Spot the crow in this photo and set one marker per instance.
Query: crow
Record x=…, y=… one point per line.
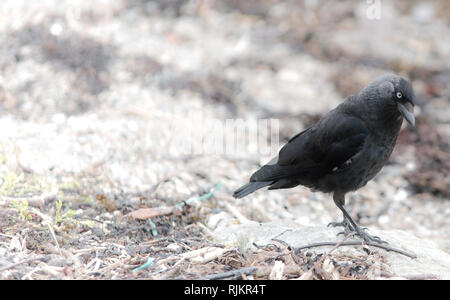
x=345, y=149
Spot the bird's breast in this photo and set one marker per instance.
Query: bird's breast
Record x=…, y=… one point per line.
x=357, y=171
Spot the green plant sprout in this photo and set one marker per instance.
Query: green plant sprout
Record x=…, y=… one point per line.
x=22, y=208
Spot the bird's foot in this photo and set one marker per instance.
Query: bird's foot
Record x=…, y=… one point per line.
x=358, y=231
x=347, y=227
x=362, y=233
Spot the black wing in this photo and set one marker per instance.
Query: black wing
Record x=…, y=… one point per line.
x=318, y=150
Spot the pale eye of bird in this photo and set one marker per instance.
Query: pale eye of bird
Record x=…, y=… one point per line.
x=399, y=95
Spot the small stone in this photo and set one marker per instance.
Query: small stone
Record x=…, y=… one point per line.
x=401, y=195
x=174, y=247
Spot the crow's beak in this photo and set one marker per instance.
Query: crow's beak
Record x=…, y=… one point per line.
x=407, y=111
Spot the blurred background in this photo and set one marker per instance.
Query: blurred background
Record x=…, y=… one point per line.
x=89, y=92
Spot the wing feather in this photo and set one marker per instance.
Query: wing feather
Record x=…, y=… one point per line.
x=316, y=151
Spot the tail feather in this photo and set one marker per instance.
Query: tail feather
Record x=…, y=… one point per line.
x=250, y=188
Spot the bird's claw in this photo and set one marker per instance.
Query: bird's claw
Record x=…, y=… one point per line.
x=344, y=223
x=336, y=224
x=347, y=227
x=361, y=232
x=358, y=231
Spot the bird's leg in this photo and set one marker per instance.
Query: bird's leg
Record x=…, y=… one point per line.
x=344, y=223
x=351, y=226
x=340, y=201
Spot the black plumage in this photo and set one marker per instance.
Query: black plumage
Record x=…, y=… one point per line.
x=345, y=149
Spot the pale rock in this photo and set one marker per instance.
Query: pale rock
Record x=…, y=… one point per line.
x=431, y=260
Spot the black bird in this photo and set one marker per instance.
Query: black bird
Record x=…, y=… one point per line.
x=345, y=149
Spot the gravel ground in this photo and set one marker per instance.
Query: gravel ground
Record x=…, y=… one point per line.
x=92, y=98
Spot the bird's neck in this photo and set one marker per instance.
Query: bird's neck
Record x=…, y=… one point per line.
x=382, y=122
x=388, y=123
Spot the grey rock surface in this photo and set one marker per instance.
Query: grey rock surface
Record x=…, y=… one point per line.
x=431, y=261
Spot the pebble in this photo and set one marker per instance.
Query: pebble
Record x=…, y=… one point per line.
x=174, y=247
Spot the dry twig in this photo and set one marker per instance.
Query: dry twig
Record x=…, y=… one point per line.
x=354, y=243
x=234, y=273
x=19, y=263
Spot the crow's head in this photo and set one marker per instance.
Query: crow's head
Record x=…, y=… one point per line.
x=391, y=95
